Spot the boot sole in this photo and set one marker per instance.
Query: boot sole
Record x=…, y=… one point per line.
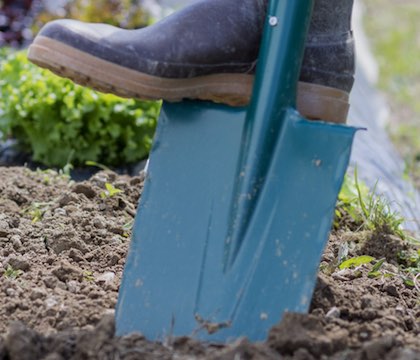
x=315, y=102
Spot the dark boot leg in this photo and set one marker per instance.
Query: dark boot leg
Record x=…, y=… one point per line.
x=329, y=53
x=328, y=67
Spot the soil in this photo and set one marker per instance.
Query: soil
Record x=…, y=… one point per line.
x=62, y=250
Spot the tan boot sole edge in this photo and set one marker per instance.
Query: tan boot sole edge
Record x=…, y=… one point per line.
x=314, y=101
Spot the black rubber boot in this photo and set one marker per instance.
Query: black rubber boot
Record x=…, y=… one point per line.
x=327, y=73
x=205, y=51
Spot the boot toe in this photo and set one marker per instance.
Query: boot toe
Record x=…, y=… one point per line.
x=190, y=43
x=73, y=32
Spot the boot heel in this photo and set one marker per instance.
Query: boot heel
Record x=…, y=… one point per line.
x=318, y=102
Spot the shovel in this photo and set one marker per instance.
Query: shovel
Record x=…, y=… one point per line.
x=237, y=205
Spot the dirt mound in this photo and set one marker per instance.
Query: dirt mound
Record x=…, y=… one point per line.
x=62, y=251
x=62, y=247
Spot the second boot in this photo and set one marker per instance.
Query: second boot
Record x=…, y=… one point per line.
x=207, y=51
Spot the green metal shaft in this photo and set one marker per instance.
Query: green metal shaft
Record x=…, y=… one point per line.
x=275, y=90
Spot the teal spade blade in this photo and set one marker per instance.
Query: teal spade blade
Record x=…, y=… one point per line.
x=237, y=206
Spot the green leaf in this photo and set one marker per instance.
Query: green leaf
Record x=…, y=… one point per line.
x=94, y=163
x=51, y=117
x=374, y=274
x=378, y=265
x=356, y=261
x=375, y=269
x=110, y=191
x=408, y=282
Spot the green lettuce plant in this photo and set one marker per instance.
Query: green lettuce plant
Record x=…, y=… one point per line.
x=58, y=121
x=122, y=13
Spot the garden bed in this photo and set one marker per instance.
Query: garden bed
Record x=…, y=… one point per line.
x=62, y=251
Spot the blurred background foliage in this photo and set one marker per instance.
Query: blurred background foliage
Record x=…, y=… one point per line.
x=21, y=19
x=58, y=122
x=393, y=28
x=122, y=13
x=53, y=120
x=15, y=21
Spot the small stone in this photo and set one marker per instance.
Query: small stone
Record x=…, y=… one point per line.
x=343, y=275
x=65, y=272
x=109, y=312
x=23, y=306
x=106, y=278
x=71, y=209
x=400, y=310
x=90, y=255
x=88, y=328
x=115, y=240
x=369, y=314
x=110, y=287
x=50, y=260
x=67, y=198
x=136, y=180
x=10, y=292
x=100, y=179
x=19, y=263
x=73, y=286
x=37, y=303
x=50, y=302
x=10, y=307
x=392, y=290
x=363, y=336
x=16, y=242
x=61, y=285
x=113, y=259
x=47, y=215
x=95, y=294
x=318, y=312
x=88, y=228
x=85, y=189
x=334, y=312
x=4, y=228
x=60, y=242
x=62, y=312
x=53, y=356
x=101, y=233
x=60, y=212
x=76, y=255
x=99, y=223
x=51, y=312
x=366, y=301
x=37, y=293
x=378, y=348
x=101, y=207
x=50, y=320
x=50, y=282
